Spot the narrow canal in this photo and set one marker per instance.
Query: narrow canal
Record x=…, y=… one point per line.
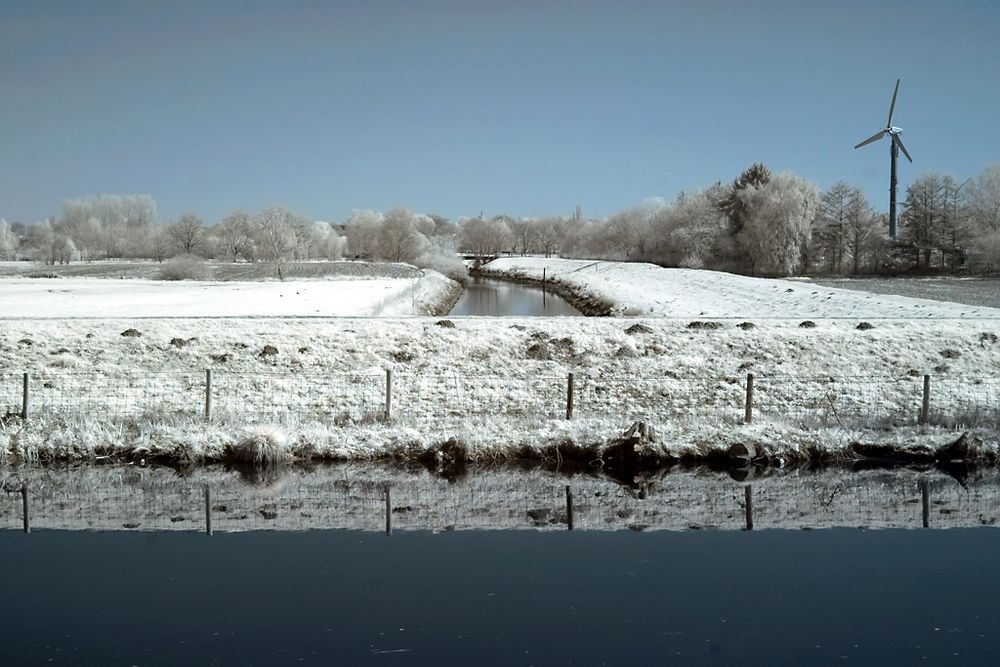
x=486, y=297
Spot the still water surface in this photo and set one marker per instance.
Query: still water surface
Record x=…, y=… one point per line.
x=487, y=567
x=483, y=296
x=502, y=598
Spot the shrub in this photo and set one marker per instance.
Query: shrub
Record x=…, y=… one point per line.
x=185, y=267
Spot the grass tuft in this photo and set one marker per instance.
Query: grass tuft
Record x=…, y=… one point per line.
x=261, y=446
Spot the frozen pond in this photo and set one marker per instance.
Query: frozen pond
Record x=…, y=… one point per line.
x=483, y=296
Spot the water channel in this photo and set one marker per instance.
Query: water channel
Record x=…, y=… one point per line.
x=488, y=297
x=366, y=564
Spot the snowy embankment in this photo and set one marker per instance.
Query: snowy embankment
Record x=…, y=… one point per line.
x=352, y=497
x=427, y=294
x=495, y=388
x=637, y=289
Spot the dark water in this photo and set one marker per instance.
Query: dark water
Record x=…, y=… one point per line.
x=503, y=598
x=483, y=296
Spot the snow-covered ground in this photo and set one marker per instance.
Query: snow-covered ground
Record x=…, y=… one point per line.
x=646, y=290
x=94, y=297
x=498, y=385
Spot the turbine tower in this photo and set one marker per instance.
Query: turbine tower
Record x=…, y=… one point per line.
x=895, y=146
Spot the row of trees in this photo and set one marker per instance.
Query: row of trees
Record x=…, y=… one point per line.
x=760, y=224
x=767, y=224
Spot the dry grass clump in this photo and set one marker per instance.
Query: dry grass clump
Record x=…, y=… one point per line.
x=185, y=267
x=261, y=446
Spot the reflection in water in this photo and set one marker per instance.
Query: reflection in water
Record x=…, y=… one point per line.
x=502, y=598
x=486, y=297
x=353, y=497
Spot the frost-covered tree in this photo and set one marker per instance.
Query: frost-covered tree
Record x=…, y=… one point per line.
x=776, y=222
x=124, y=224
x=324, y=242
x=984, y=199
x=235, y=236
x=398, y=238
x=8, y=241
x=524, y=235
x=729, y=250
x=274, y=231
x=549, y=234
x=627, y=234
x=362, y=234
x=691, y=229
x=45, y=243
x=187, y=235
x=484, y=237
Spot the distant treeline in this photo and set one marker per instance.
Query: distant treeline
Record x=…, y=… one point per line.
x=760, y=224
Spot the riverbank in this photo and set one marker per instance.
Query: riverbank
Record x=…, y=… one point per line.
x=636, y=289
x=483, y=389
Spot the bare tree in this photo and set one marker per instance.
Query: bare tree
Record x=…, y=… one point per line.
x=187, y=235
x=829, y=234
x=235, y=234
x=922, y=216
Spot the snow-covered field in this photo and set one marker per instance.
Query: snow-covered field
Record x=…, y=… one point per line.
x=37, y=298
x=646, y=290
x=499, y=386
x=976, y=291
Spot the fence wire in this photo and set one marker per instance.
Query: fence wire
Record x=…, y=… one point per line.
x=424, y=400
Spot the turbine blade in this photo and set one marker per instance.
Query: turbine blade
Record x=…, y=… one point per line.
x=899, y=142
x=874, y=137
x=892, y=106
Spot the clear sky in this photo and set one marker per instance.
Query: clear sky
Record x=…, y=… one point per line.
x=525, y=107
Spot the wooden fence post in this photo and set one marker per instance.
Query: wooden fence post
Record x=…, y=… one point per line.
x=748, y=498
x=24, y=509
x=748, y=410
x=569, y=508
x=925, y=407
x=208, y=510
x=24, y=398
x=388, y=394
x=208, y=394
x=925, y=503
x=569, y=396
x=388, y=513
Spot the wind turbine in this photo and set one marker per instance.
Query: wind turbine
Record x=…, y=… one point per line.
x=895, y=146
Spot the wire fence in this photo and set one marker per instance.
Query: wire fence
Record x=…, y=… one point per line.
x=412, y=398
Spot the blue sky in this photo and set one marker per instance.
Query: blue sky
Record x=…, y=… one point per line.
x=525, y=108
